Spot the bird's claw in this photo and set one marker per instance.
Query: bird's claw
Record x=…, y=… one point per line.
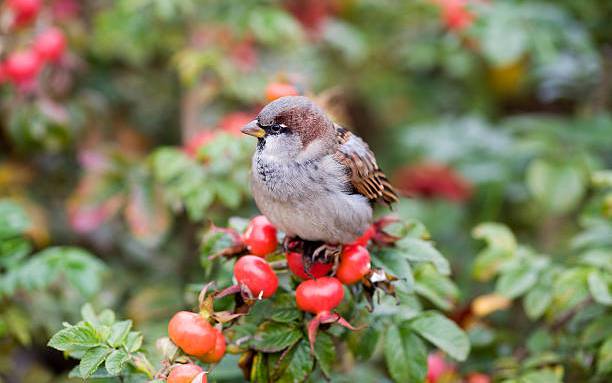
x=326, y=252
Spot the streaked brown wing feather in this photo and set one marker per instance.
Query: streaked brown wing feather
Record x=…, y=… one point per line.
x=366, y=176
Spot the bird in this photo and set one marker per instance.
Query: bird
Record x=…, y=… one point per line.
x=313, y=179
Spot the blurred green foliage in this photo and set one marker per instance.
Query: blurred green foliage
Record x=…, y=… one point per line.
x=511, y=97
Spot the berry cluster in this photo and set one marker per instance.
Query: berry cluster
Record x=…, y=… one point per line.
x=23, y=63
x=320, y=288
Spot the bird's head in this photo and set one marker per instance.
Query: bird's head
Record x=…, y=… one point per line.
x=290, y=127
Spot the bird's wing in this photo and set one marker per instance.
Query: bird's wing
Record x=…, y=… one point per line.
x=366, y=177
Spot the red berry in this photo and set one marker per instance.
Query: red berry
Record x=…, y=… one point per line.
x=260, y=236
x=317, y=269
x=24, y=10
x=366, y=236
x=185, y=373
x=319, y=295
x=22, y=66
x=255, y=273
x=218, y=352
x=354, y=264
x=193, y=145
x=477, y=377
x=233, y=122
x=50, y=45
x=3, y=74
x=278, y=89
x=436, y=367
x=192, y=333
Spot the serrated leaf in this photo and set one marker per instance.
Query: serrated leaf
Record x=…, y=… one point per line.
x=440, y=290
x=133, y=341
x=119, y=332
x=443, y=333
x=405, y=355
x=274, y=337
x=325, y=353
x=363, y=343
x=284, y=309
x=81, y=336
x=116, y=361
x=496, y=235
x=599, y=288
x=89, y=315
x=92, y=359
x=558, y=188
x=418, y=250
x=598, y=330
x=300, y=364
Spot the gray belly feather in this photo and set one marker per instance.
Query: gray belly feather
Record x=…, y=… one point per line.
x=310, y=200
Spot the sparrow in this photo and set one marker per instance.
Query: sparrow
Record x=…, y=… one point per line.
x=313, y=179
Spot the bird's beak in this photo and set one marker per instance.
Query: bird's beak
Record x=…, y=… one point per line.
x=252, y=129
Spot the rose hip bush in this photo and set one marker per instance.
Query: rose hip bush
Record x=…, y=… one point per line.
x=289, y=327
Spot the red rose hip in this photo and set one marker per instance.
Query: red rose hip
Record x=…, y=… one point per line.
x=354, y=264
x=257, y=275
x=192, y=333
x=185, y=373
x=50, y=45
x=295, y=263
x=218, y=352
x=260, y=236
x=278, y=89
x=22, y=66
x=319, y=295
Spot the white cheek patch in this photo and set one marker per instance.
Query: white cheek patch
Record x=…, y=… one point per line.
x=283, y=147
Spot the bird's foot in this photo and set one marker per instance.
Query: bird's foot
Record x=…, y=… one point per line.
x=327, y=252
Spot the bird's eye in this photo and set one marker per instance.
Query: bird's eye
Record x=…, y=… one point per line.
x=277, y=128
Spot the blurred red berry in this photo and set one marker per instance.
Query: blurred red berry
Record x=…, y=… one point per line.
x=244, y=55
x=22, y=66
x=295, y=263
x=193, y=145
x=310, y=13
x=260, y=236
x=278, y=89
x=455, y=14
x=437, y=366
x=65, y=9
x=233, y=122
x=477, y=377
x=24, y=10
x=429, y=180
x=354, y=264
x=50, y=45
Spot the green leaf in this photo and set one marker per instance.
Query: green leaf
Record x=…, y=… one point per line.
x=363, y=343
x=284, y=309
x=598, y=330
x=558, y=188
x=405, y=355
x=542, y=376
x=89, y=315
x=604, y=357
x=517, y=281
x=440, y=290
x=18, y=324
x=116, y=361
x=133, y=341
x=92, y=359
x=496, y=235
x=13, y=219
x=418, y=250
x=300, y=364
x=537, y=301
x=259, y=369
x=119, y=332
x=81, y=336
x=599, y=288
x=443, y=333
x=325, y=353
x=273, y=337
